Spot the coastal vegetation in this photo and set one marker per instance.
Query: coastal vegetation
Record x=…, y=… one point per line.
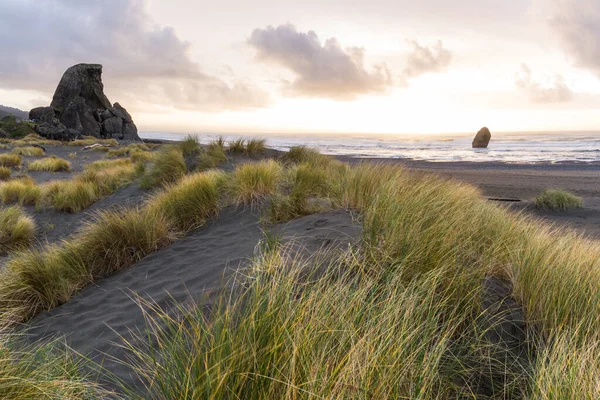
x=5, y=173
x=50, y=164
x=557, y=200
x=16, y=229
x=10, y=160
x=28, y=151
x=168, y=166
x=413, y=310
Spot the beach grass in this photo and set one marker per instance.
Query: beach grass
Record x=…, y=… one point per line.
x=188, y=203
x=237, y=146
x=253, y=182
x=28, y=151
x=167, y=167
x=397, y=315
x=5, y=173
x=141, y=156
x=17, y=229
x=557, y=200
x=127, y=150
x=50, y=164
x=190, y=145
x=23, y=191
x=42, y=371
x=10, y=160
x=255, y=147
x=211, y=156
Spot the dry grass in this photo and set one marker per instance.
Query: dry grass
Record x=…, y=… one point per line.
x=188, y=203
x=10, y=160
x=50, y=164
x=42, y=371
x=17, y=229
x=397, y=315
x=190, y=145
x=28, y=151
x=127, y=151
x=168, y=166
x=141, y=156
x=23, y=191
x=4, y=173
x=253, y=182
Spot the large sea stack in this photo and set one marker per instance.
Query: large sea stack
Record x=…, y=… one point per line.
x=482, y=139
x=80, y=107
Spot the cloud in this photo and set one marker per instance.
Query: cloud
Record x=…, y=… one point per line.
x=423, y=60
x=42, y=38
x=554, y=90
x=577, y=25
x=321, y=70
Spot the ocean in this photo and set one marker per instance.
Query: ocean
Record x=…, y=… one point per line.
x=563, y=147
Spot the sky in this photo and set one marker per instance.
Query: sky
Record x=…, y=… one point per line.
x=317, y=66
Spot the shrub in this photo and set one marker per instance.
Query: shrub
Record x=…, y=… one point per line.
x=15, y=128
x=28, y=151
x=23, y=191
x=168, y=167
x=17, y=229
x=253, y=182
x=10, y=160
x=255, y=147
x=237, y=146
x=50, y=164
x=4, y=173
x=557, y=200
x=190, y=145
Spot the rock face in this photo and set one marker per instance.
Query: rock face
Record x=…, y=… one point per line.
x=80, y=107
x=482, y=139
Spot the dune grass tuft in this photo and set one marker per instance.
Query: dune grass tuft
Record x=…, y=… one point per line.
x=141, y=156
x=28, y=151
x=127, y=150
x=253, y=182
x=10, y=160
x=168, y=166
x=190, y=145
x=211, y=157
x=557, y=200
x=4, y=173
x=17, y=229
x=188, y=203
x=255, y=147
x=42, y=371
x=50, y=164
x=304, y=154
x=23, y=191
x=237, y=146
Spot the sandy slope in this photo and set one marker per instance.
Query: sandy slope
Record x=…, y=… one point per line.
x=193, y=267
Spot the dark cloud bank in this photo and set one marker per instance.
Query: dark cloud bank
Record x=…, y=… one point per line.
x=41, y=38
x=330, y=70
